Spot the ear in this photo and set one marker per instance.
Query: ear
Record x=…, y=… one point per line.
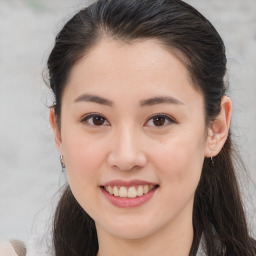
x=55, y=128
x=219, y=128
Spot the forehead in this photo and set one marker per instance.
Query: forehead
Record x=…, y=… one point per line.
x=143, y=67
x=140, y=55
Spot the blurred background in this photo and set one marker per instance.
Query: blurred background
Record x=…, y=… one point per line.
x=30, y=172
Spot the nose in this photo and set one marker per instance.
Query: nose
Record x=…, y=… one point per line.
x=126, y=151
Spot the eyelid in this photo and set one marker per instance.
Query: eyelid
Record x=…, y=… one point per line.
x=166, y=116
x=86, y=117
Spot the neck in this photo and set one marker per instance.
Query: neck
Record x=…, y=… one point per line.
x=174, y=239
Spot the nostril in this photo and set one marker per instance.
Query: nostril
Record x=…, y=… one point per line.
x=128, y=161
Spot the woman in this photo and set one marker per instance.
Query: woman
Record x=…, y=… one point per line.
x=142, y=123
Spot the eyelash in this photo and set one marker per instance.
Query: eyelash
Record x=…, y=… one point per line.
x=89, y=116
x=161, y=115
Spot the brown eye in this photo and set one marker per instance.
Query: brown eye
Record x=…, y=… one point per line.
x=98, y=120
x=160, y=121
x=95, y=120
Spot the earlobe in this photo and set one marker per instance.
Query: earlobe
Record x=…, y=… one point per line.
x=55, y=128
x=219, y=129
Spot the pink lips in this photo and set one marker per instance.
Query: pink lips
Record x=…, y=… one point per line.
x=127, y=183
x=124, y=202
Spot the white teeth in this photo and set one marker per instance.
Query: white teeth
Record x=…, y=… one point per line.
x=110, y=190
x=123, y=192
x=140, y=191
x=115, y=191
x=130, y=192
x=145, y=189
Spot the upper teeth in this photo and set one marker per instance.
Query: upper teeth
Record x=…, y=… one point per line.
x=130, y=192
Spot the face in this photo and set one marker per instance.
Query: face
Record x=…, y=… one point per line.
x=132, y=124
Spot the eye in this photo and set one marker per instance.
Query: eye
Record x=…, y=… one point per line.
x=160, y=120
x=95, y=120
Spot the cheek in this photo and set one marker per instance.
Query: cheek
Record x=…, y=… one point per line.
x=83, y=156
x=180, y=160
x=83, y=159
x=179, y=165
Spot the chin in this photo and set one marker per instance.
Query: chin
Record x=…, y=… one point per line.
x=131, y=228
x=131, y=233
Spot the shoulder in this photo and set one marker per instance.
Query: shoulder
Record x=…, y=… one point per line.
x=6, y=249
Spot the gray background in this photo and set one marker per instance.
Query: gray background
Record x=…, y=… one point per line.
x=30, y=173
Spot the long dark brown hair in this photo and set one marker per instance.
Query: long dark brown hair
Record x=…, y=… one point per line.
x=218, y=210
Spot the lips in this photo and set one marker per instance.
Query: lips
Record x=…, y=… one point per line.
x=132, y=193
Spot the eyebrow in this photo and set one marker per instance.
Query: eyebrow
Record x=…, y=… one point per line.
x=143, y=103
x=95, y=99
x=161, y=100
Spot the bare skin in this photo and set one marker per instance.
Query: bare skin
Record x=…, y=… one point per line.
x=6, y=249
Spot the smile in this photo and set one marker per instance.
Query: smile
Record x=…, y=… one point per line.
x=128, y=195
x=129, y=192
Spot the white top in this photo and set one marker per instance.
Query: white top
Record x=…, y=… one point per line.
x=39, y=246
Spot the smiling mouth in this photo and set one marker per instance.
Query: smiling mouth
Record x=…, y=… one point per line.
x=129, y=192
